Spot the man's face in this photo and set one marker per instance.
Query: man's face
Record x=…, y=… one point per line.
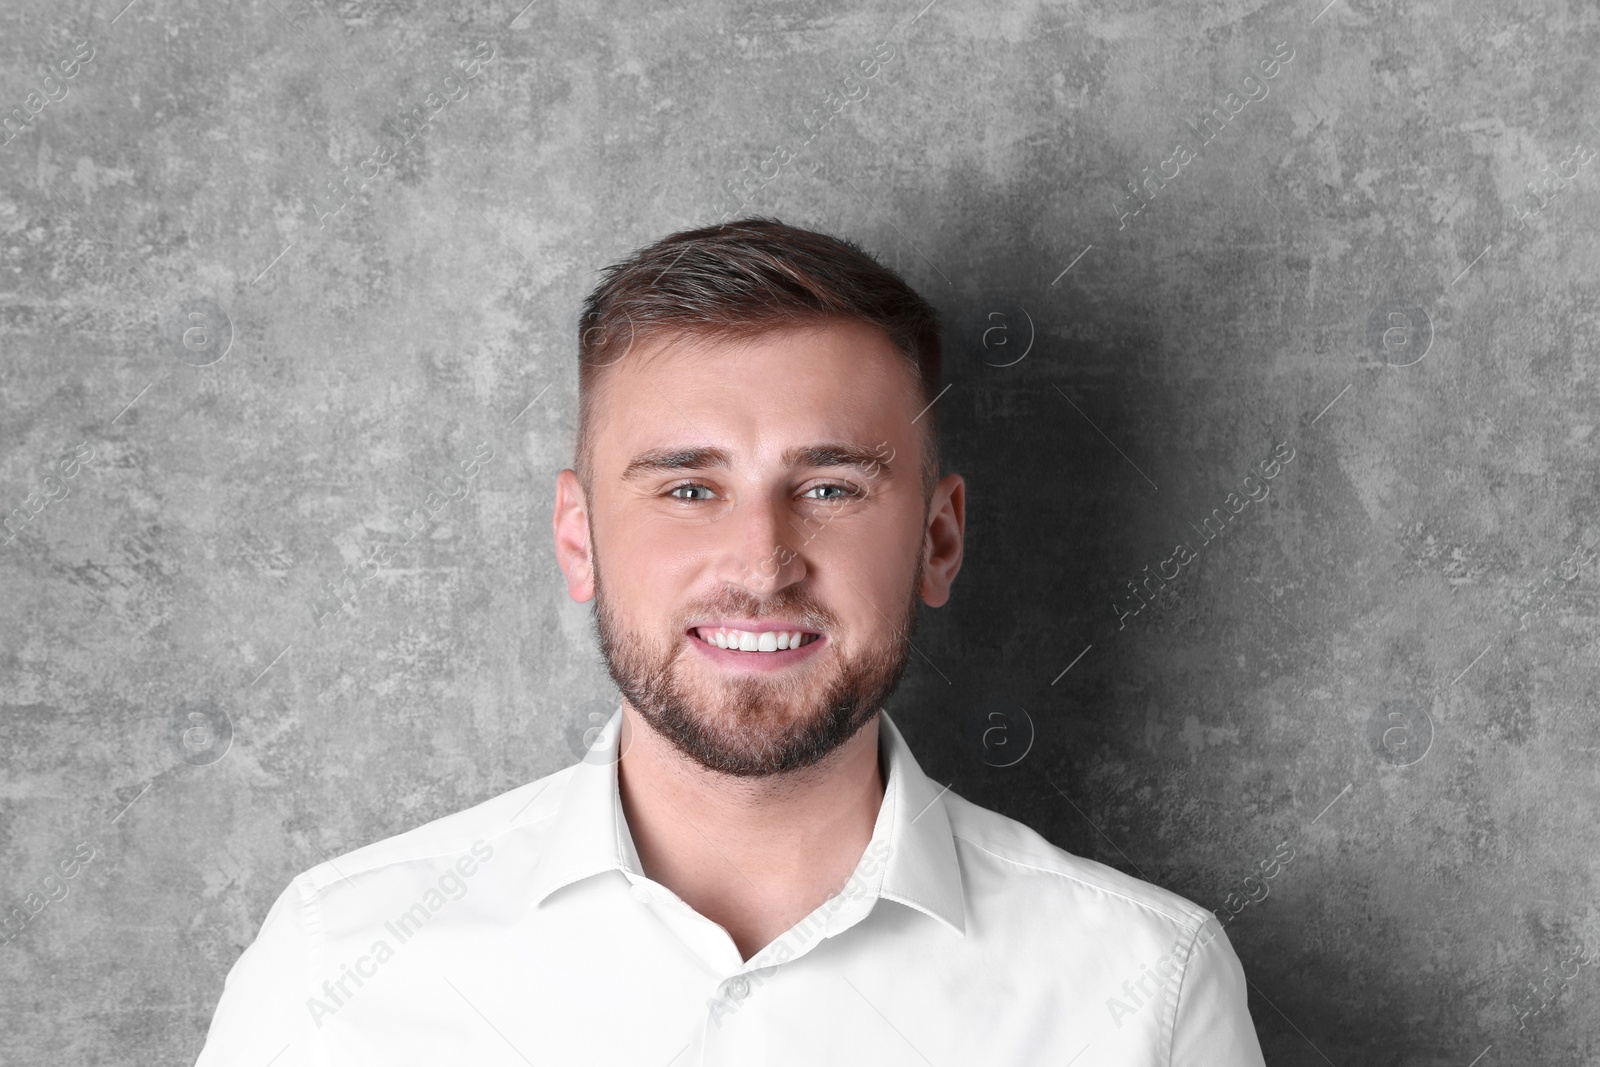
x=745, y=491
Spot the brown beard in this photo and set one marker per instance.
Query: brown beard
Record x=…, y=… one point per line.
x=755, y=731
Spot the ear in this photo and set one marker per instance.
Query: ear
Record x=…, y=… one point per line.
x=941, y=546
x=570, y=524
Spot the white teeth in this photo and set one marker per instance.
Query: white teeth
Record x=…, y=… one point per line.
x=745, y=641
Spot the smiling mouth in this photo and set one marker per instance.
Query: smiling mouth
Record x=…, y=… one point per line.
x=751, y=641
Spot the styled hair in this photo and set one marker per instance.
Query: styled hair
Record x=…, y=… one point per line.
x=739, y=280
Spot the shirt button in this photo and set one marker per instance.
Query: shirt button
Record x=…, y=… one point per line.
x=738, y=987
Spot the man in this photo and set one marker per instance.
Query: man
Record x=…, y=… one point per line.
x=749, y=867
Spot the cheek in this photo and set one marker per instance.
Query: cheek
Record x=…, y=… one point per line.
x=649, y=569
x=865, y=572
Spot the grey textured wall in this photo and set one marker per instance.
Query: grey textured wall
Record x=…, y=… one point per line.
x=288, y=373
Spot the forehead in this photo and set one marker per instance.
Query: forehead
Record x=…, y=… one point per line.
x=841, y=380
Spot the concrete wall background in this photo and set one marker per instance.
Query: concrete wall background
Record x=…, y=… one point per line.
x=219, y=394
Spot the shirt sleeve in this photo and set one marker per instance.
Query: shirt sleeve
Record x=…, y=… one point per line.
x=262, y=1015
x=1211, y=1024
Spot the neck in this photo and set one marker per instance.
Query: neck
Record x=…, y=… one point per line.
x=755, y=855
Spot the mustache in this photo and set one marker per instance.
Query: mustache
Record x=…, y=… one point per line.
x=790, y=603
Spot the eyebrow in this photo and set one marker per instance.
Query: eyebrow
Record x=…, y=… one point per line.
x=869, y=462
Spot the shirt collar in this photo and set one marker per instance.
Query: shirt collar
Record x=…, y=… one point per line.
x=591, y=836
x=923, y=871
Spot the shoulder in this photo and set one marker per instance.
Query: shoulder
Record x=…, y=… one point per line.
x=1101, y=936
x=524, y=814
x=1009, y=861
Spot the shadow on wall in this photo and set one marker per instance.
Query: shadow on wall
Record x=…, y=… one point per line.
x=1096, y=428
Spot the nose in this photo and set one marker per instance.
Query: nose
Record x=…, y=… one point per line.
x=764, y=559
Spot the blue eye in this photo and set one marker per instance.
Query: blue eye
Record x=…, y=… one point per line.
x=673, y=492
x=845, y=491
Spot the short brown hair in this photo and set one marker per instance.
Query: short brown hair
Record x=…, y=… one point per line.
x=741, y=279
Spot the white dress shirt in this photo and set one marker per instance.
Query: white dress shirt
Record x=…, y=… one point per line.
x=524, y=931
